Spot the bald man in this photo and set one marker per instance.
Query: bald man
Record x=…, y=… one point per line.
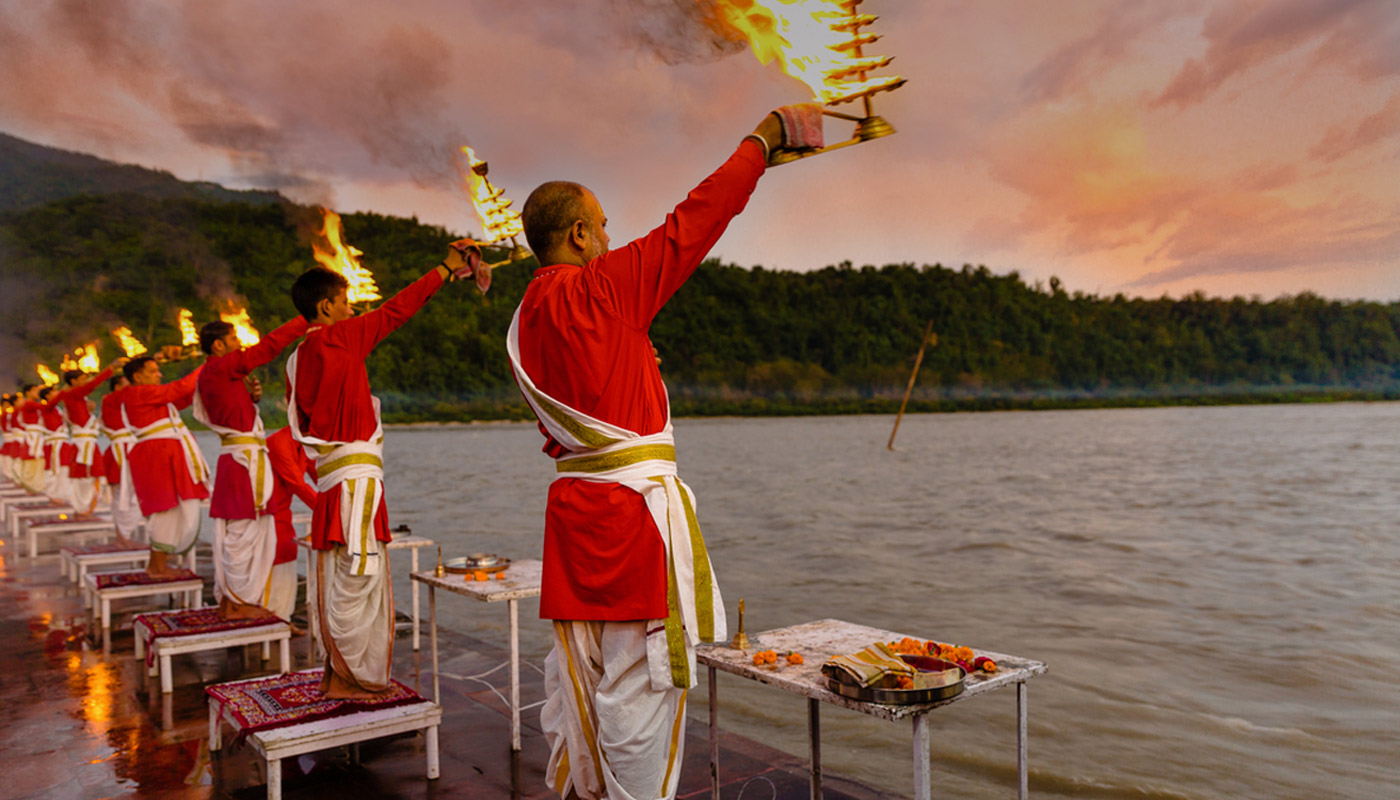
x=627, y=580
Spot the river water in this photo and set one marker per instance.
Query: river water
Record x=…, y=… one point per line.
x=1216, y=590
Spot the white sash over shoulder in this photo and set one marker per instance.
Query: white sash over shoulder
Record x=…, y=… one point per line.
x=358, y=465
x=603, y=452
x=85, y=439
x=248, y=448
x=172, y=427
x=122, y=440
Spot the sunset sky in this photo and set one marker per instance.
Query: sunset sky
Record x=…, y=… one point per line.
x=1167, y=146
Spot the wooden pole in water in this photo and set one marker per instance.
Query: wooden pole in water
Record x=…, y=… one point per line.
x=908, y=390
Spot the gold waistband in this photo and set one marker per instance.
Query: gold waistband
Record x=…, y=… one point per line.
x=329, y=468
x=237, y=439
x=604, y=462
x=146, y=433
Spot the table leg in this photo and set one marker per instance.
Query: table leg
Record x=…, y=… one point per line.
x=513, y=608
x=714, y=736
x=923, y=770
x=414, y=583
x=1022, y=778
x=33, y=542
x=284, y=656
x=814, y=733
x=167, y=680
x=432, y=635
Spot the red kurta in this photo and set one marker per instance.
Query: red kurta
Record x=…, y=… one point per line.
x=12, y=449
x=333, y=397
x=583, y=340
x=30, y=419
x=75, y=402
x=228, y=403
x=111, y=412
x=159, y=473
x=290, y=466
x=51, y=416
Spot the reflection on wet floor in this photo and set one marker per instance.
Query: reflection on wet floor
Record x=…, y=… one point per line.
x=87, y=725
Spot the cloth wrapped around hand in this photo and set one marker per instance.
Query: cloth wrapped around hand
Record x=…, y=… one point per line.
x=871, y=664
x=802, y=125
x=473, y=267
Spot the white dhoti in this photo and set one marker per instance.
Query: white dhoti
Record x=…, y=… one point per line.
x=282, y=589
x=611, y=734
x=176, y=530
x=244, y=550
x=31, y=475
x=83, y=493
x=356, y=611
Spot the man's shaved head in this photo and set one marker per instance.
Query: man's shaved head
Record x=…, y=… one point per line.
x=549, y=212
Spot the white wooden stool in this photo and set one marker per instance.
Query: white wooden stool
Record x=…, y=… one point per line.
x=77, y=563
x=276, y=744
x=164, y=647
x=95, y=528
x=187, y=590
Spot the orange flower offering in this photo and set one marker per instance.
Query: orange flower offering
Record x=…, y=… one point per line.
x=904, y=682
x=765, y=657
x=963, y=656
x=500, y=576
x=794, y=658
x=480, y=576
x=908, y=647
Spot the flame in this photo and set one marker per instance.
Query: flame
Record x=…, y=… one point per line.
x=68, y=364
x=818, y=42
x=87, y=361
x=46, y=375
x=130, y=344
x=339, y=257
x=497, y=220
x=242, y=325
x=189, y=335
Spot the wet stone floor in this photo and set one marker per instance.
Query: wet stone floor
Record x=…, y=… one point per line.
x=75, y=723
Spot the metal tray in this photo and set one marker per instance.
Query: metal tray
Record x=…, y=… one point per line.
x=467, y=564
x=884, y=693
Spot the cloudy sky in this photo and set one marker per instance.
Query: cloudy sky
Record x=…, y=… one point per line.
x=1229, y=146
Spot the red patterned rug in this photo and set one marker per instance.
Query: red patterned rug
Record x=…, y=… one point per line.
x=94, y=549
x=295, y=698
x=107, y=580
x=190, y=622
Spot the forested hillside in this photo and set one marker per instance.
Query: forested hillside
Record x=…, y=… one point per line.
x=733, y=340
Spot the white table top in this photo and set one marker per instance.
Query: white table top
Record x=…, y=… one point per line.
x=818, y=641
x=397, y=543
x=522, y=580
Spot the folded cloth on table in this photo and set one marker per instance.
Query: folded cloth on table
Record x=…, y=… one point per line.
x=802, y=125
x=871, y=664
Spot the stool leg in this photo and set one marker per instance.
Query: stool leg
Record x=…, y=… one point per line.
x=274, y=779
x=167, y=681
x=214, y=741
x=284, y=656
x=415, y=601
x=266, y=650
x=140, y=642
x=433, y=769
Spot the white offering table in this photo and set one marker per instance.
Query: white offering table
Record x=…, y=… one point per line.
x=92, y=528
x=411, y=543
x=818, y=641
x=522, y=580
x=287, y=741
x=19, y=516
x=164, y=647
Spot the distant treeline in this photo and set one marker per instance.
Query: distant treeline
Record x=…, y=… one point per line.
x=733, y=340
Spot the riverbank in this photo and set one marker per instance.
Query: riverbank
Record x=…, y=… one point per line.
x=80, y=724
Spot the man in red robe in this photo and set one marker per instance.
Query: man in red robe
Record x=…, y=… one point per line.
x=627, y=579
x=168, y=471
x=332, y=413
x=85, y=470
x=10, y=450
x=57, y=458
x=126, y=511
x=29, y=470
x=291, y=468
x=245, y=537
